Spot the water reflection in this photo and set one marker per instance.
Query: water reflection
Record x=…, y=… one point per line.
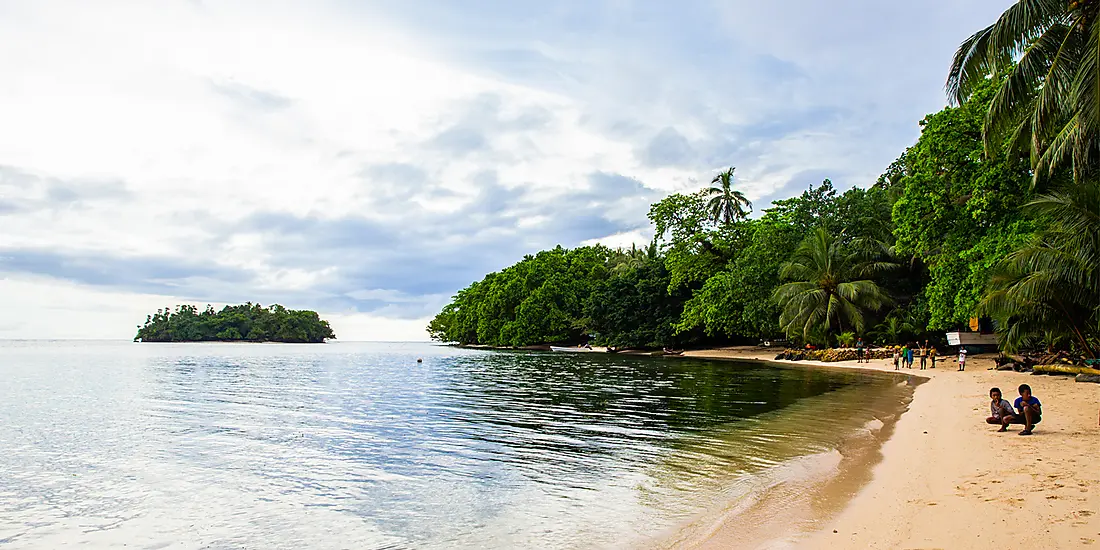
x=360, y=446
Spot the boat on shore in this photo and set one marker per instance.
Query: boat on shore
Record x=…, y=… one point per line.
x=571, y=349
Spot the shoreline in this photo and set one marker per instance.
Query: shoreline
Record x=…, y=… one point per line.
x=947, y=480
x=794, y=497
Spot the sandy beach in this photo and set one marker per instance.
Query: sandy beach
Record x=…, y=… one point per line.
x=948, y=480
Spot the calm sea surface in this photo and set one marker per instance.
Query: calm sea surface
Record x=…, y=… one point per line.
x=347, y=445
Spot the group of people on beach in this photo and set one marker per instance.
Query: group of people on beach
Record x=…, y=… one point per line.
x=904, y=356
x=1026, y=410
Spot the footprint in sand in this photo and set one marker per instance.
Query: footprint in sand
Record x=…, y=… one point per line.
x=1084, y=513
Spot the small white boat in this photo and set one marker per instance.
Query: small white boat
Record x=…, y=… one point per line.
x=579, y=350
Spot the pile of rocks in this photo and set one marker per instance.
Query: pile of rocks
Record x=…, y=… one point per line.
x=833, y=355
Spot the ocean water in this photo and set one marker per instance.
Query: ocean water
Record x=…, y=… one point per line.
x=357, y=445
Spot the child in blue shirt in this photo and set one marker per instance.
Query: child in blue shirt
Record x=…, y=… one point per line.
x=1030, y=411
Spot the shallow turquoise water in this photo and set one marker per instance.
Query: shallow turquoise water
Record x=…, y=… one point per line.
x=359, y=446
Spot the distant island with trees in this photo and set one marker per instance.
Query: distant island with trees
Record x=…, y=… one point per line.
x=243, y=323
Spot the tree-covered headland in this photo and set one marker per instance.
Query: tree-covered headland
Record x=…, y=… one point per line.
x=994, y=212
x=244, y=323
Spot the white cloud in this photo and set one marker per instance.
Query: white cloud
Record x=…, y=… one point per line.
x=378, y=156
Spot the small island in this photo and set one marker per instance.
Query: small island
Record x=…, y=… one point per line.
x=244, y=323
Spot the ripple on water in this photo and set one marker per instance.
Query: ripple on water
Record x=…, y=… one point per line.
x=359, y=446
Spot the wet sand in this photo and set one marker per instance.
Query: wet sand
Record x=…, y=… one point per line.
x=815, y=455
x=946, y=479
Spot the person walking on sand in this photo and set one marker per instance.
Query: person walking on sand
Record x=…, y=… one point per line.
x=905, y=356
x=1030, y=411
x=962, y=358
x=1000, y=408
x=897, y=359
x=859, y=350
x=933, y=353
x=909, y=356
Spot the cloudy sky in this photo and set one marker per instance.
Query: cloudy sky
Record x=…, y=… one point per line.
x=368, y=159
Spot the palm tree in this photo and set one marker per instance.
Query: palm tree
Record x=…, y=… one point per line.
x=1046, y=55
x=624, y=261
x=829, y=288
x=726, y=205
x=894, y=329
x=1052, y=285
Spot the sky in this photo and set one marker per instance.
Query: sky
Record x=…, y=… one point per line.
x=368, y=159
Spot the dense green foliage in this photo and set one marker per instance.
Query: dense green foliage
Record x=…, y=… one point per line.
x=566, y=296
x=830, y=289
x=994, y=211
x=703, y=279
x=957, y=210
x=248, y=323
x=1047, y=292
x=1046, y=55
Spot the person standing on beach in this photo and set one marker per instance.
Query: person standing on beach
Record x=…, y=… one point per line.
x=962, y=358
x=897, y=359
x=924, y=356
x=909, y=356
x=905, y=355
x=933, y=353
x=859, y=350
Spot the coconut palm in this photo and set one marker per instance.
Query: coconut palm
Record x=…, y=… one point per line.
x=623, y=260
x=1053, y=283
x=894, y=329
x=1046, y=54
x=829, y=288
x=726, y=205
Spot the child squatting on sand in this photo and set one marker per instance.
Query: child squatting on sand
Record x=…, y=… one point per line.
x=1029, y=411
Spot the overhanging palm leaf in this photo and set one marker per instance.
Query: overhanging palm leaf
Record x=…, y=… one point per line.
x=1046, y=54
x=1053, y=283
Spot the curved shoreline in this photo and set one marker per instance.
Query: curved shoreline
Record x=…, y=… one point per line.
x=947, y=480
x=796, y=497
x=795, y=508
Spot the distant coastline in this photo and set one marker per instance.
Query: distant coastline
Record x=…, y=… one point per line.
x=546, y=347
x=242, y=323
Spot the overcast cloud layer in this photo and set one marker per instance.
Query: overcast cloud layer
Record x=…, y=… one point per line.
x=369, y=159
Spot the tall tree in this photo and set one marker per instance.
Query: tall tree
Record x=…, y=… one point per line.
x=958, y=210
x=815, y=207
x=1048, y=100
x=1051, y=286
x=634, y=309
x=737, y=300
x=726, y=205
x=695, y=248
x=830, y=289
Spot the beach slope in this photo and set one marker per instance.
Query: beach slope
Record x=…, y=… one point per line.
x=948, y=480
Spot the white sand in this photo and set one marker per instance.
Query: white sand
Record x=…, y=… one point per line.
x=948, y=480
